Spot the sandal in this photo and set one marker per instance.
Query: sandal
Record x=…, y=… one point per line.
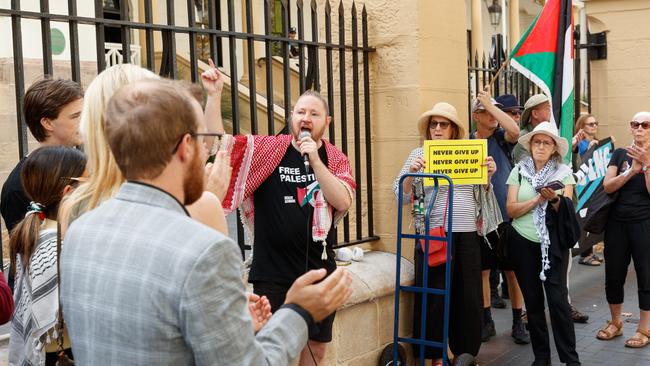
x=605, y=335
x=589, y=260
x=639, y=340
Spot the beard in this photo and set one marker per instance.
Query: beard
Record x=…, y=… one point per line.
x=316, y=134
x=193, y=181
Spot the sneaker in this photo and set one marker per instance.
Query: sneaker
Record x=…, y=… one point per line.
x=519, y=333
x=497, y=302
x=488, y=331
x=577, y=316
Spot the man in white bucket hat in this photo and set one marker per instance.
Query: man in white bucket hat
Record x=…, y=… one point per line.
x=536, y=110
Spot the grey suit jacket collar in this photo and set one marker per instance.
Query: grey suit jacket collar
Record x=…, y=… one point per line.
x=134, y=191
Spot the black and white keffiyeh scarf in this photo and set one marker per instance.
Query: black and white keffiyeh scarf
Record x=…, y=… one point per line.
x=36, y=301
x=550, y=172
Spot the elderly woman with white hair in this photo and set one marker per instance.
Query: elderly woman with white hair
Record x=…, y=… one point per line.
x=540, y=188
x=627, y=232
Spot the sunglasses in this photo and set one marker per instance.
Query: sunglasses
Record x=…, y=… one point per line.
x=195, y=134
x=514, y=113
x=443, y=125
x=645, y=124
x=591, y=124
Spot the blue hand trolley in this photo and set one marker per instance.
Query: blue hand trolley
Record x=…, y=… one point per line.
x=465, y=359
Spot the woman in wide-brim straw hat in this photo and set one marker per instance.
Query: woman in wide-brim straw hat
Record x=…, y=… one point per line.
x=442, y=123
x=540, y=252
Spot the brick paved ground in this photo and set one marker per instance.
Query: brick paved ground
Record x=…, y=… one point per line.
x=587, y=292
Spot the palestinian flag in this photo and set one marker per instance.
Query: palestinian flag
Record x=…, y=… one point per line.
x=544, y=55
x=308, y=194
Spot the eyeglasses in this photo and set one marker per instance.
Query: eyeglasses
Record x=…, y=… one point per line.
x=443, y=125
x=539, y=143
x=194, y=134
x=645, y=124
x=591, y=124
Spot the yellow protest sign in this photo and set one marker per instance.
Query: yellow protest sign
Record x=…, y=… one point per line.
x=461, y=160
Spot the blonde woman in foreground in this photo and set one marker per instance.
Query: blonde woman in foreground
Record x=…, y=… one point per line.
x=105, y=177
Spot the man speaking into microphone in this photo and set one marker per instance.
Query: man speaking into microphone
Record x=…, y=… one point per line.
x=296, y=187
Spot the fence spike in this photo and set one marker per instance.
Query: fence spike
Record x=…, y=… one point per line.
x=313, y=5
x=328, y=7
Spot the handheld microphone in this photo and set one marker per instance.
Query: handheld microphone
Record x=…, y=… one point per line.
x=305, y=157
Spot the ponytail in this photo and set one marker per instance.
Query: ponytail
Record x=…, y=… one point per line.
x=46, y=173
x=23, y=239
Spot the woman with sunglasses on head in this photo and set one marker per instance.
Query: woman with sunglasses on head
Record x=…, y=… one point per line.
x=586, y=129
x=627, y=232
x=49, y=174
x=544, y=228
x=466, y=303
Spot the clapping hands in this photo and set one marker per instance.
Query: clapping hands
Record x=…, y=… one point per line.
x=260, y=310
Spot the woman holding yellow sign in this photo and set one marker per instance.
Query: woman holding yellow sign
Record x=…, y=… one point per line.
x=466, y=302
x=544, y=227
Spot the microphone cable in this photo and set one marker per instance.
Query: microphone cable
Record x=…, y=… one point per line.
x=310, y=214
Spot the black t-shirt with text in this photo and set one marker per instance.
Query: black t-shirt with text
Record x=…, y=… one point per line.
x=633, y=202
x=283, y=247
x=13, y=200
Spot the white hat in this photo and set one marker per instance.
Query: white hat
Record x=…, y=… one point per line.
x=548, y=129
x=531, y=103
x=441, y=109
x=478, y=106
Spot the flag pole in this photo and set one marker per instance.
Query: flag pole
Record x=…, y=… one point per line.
x=494, y=78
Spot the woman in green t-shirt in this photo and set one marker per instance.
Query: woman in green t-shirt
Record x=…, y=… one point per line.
x=537, y=181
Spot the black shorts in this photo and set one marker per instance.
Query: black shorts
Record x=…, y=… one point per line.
x=489, y=258
x=276, y=293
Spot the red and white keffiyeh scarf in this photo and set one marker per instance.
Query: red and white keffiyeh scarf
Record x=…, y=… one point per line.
x=253, y=160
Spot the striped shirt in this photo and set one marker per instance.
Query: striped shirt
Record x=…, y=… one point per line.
x=464, y=205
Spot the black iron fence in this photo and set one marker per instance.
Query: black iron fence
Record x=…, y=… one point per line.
x=480, y=72
x=206, y=34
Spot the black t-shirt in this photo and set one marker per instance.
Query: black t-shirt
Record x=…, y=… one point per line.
x=633, y=202
x=283, y=248
x=13, y=200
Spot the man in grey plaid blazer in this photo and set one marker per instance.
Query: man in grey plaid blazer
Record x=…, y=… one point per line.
x=144, y=284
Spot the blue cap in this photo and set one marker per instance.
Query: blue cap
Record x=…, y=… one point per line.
x=508, y=102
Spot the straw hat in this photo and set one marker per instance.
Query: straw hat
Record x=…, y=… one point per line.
x=441, y=109
x=549, y=129
x=531, y=103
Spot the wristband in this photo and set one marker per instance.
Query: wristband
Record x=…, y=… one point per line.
x=645, y=168
x=301, y=311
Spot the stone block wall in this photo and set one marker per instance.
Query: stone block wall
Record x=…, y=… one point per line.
x=364, y=326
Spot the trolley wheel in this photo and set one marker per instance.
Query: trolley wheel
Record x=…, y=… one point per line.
x=464, y=360
x=386, y=357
